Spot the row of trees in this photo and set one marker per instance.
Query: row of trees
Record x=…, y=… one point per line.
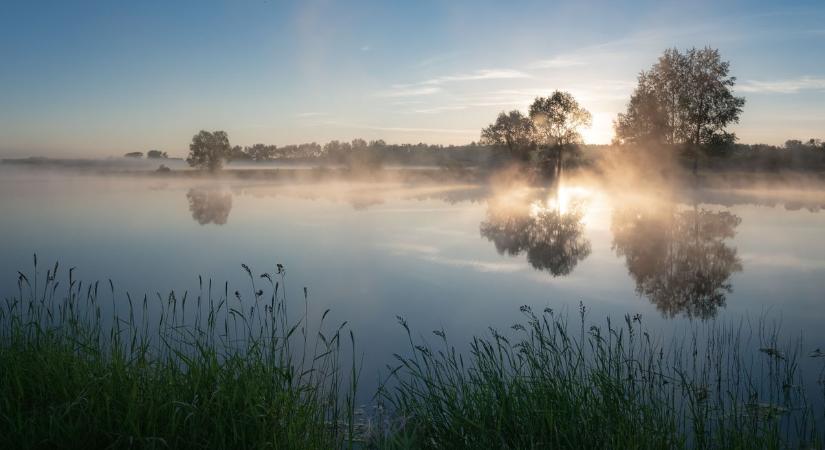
x=796, y=154
x=684, y=103
x=210, y=150
x=551, y=129
x=151, y=154
x=685, y=99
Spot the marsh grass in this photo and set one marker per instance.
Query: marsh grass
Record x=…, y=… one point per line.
x=546, y=385
x=220, y=370
x=83, y=367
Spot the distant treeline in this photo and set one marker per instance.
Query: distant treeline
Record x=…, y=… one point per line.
x=795, y=154
x=360, y=152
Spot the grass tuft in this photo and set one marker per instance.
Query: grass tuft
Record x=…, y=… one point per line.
x=227, y=372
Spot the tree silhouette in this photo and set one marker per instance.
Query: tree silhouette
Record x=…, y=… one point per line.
x=679, y=260
x=553, y=239
x=209, y=205
x=512, y=131
x=209, y=150
x=156, y=154
x=557, y=120
x=685, y=98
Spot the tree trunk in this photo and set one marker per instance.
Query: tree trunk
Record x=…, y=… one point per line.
x=558, y=163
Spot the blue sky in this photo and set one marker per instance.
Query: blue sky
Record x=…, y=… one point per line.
x=103, y=78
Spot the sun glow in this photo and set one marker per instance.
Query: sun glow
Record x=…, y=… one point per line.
x=564, y=200
x=601, y=132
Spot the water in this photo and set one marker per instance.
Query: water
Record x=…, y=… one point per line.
x=461, y=257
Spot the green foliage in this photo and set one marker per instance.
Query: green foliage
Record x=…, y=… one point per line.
x=204, y=372
x=232, y=371
x=546, y=385
x=684, y=98
x=557, y=119
x=512, y=131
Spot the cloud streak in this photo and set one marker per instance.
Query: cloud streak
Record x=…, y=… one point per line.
x=788, y=86
x=558, y=62
x=405, y=90
x=483, y=74
x=304, y=115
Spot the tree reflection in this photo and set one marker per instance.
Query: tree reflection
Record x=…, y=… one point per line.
x=551, y=236
x=678, y=258
x=209, y=205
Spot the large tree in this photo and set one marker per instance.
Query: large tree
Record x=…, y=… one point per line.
x=557, y=121
x=685, y=98
x=208, y=150
x=513, y=131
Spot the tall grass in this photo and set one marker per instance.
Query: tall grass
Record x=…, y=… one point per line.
x=216, y=371
x=83, y=367
x=550, y=386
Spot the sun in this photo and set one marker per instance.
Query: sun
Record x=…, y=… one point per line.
x=601, y=132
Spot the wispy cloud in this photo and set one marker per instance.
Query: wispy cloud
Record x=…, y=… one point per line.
x=436, y=59
x=439, y=109
x=310, y=114
x=788, y=86
x=418, y=130
x=408, y=102
x=433, y=85
x=559, y=62
x=406, y=90
x=366, y=48
x=483, y=74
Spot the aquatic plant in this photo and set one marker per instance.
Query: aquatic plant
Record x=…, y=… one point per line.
x=220, y=370
x=84, y=367
x=547, y=385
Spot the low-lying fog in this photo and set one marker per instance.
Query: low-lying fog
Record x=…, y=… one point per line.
x=460, y=256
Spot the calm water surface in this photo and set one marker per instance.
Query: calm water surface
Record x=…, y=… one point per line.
x=458, y=257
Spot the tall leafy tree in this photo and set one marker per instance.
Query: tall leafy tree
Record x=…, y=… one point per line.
x=557, y=121
x=513, y=131
x=685, y=98
x=208, y=150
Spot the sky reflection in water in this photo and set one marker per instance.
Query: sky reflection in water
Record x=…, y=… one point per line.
x=461, y=257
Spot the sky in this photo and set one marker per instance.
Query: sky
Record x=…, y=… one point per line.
x=97, y=79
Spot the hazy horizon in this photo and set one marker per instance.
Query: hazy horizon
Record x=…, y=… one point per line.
x=99, y=79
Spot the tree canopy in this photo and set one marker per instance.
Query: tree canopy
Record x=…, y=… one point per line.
x=557, y=119
x=513, y=131
x=685, y=98
x=208, y=150
x=156, y=154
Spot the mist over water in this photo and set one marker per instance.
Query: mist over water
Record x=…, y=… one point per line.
x=457, y=256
